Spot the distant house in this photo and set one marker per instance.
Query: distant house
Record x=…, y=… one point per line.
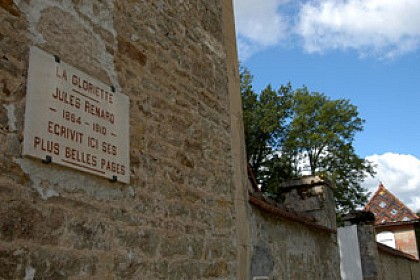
x=394, y=222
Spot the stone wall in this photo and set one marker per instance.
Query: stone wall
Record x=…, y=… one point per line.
x=392, y=267
x=283, y=249
x=176, y=218
x=295, y=239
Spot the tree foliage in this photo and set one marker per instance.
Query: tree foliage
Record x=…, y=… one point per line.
x=265, y=124
x=290, y=133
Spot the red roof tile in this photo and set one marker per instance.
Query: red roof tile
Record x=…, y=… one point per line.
x=388, y=208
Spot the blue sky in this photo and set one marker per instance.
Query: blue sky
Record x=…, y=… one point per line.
x=367, y=51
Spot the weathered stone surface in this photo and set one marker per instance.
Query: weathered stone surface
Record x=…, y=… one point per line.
x=21, y=220
x=145, y=240
x=262, y=262
x=368, y=251
x=392, y=267
x=175, y=220
x=10, y=7
x=283, y=249
x=217, y=270
x=313, y=196
x=28, y=262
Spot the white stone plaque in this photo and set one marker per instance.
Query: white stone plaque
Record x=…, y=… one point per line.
x=75, y=120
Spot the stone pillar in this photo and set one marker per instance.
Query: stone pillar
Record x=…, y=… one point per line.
x=313, y=196
x=369, y=256
x=368, y=251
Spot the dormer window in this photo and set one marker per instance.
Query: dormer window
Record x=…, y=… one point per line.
x=394, y=212
x=382, y=204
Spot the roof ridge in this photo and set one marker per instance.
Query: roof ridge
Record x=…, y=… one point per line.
x=374, y=196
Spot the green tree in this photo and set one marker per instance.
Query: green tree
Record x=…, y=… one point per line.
x=290, y=133
x=321, y=132
x=265, y=116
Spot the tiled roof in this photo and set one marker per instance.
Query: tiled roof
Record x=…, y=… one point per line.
x=388, y=209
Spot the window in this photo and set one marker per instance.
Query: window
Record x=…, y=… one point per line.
x=382, y=204
x=394, y=212
x=386, y=238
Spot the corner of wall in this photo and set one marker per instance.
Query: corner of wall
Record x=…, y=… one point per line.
x=237, y=144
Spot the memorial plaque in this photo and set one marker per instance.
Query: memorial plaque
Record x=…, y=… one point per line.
x=75, y=120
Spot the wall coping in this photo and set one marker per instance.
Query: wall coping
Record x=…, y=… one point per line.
x=298, y=182
x=395, y=252
x=305, y=181
x=281, y=213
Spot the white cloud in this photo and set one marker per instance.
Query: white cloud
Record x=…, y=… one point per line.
x=400, y=174
x=259, y=25
x=383, y=27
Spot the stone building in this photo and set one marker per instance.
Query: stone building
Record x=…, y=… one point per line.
x=180, y=212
